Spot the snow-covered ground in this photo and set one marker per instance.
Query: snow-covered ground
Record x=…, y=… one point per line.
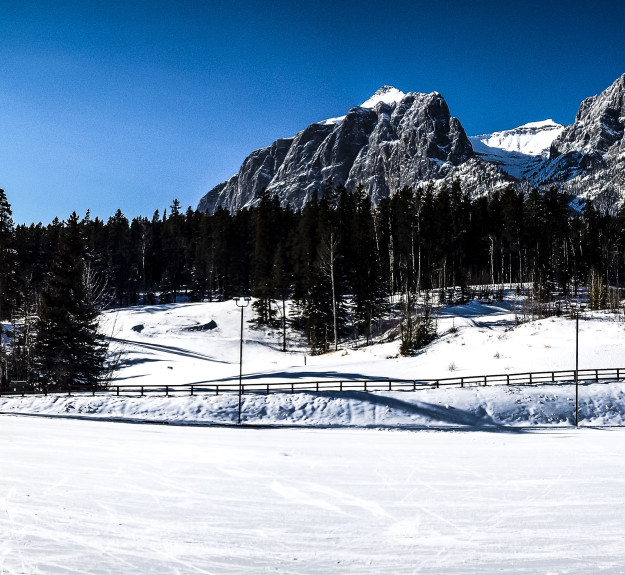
x=188, y=343
x=101, y=497
x=193, y=343
x=475, y=480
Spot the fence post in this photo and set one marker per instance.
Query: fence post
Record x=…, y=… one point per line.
x=507, y=379
x=530, y=379
x=166, y=391
x=93, y=390
x=365, y=382
x=317, y=387
x=414, y=385
x=618, y=373
x=191, y=390
x=390, y=385
x=461, y=382
x=267, y=389
x=340, y=386
x=437, y=384
x=69, y=389
x=292, y=387
x=141, y=391
x=485, y=380
x=117, y=390
x=597, y=375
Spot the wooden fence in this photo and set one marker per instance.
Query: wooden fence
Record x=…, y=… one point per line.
x=327, y=385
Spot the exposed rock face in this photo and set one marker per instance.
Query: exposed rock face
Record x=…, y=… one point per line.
x=391, y=141
x=414, y=141
x=395, y=140
x=593, y=142
x=255, y=174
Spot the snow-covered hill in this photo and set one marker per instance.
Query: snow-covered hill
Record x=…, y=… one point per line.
x=193, y=343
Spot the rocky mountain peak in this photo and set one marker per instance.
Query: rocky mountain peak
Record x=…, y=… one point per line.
x=396, y=139
x=385, y=94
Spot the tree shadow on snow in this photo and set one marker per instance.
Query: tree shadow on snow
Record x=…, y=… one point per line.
x=440, y=416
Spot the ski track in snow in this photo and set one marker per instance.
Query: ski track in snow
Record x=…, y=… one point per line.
x=505, y=495
x=84, y=497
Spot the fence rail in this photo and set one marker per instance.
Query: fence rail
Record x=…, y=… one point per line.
x=323, y=385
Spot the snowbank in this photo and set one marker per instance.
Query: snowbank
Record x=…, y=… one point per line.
x=478, y=407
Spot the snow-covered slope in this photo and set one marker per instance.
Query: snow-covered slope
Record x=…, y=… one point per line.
x=187, y=343
x=519, y=151
x=194, y=343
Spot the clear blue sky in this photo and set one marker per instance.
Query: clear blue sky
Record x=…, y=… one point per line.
x=128, y=104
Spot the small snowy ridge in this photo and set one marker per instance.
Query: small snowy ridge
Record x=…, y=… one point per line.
x=533, y=139
x=332, y=121
x=479, y=407
x=386, y=94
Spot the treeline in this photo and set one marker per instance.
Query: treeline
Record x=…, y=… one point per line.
x=339, y=259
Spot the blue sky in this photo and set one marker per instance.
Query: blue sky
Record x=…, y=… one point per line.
x=129, y=104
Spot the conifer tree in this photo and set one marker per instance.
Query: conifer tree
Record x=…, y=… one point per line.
x=68, y=351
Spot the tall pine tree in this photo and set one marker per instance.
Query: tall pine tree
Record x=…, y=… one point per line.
x=69, y=352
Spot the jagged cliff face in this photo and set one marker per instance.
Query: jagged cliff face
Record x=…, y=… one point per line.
x=593, y=142
x=395, y=140
x=391, y=141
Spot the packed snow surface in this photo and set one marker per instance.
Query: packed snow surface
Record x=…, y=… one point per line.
x=465, y=481
x=102, y=497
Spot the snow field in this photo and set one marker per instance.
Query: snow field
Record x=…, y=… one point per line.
x=475, y=339
x=101, y=497
x=469, y=408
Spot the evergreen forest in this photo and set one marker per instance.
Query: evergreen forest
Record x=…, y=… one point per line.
x=344, y=264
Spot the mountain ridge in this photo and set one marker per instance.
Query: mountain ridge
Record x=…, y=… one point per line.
x=396, y=139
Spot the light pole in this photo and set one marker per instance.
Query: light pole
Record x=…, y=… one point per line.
x=241, y=302
x=577, y=307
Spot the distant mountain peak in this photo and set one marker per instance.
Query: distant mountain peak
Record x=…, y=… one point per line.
x=396, y=139
x=386, y=94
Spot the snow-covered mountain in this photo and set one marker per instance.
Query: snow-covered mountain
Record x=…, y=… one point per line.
x=588, y=158
x=519, y=151
x=396, y=139
x=390, y=141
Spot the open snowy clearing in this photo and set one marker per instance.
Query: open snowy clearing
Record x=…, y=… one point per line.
x=191, y=343
x=102, y=497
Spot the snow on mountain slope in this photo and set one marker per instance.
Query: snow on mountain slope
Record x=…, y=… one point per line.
x=386, y=94
x=519, y=151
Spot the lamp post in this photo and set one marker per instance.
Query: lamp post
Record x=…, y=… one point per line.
x=241, y=302
x=577, y=307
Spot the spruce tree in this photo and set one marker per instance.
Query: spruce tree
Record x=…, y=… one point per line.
x=69, y=352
